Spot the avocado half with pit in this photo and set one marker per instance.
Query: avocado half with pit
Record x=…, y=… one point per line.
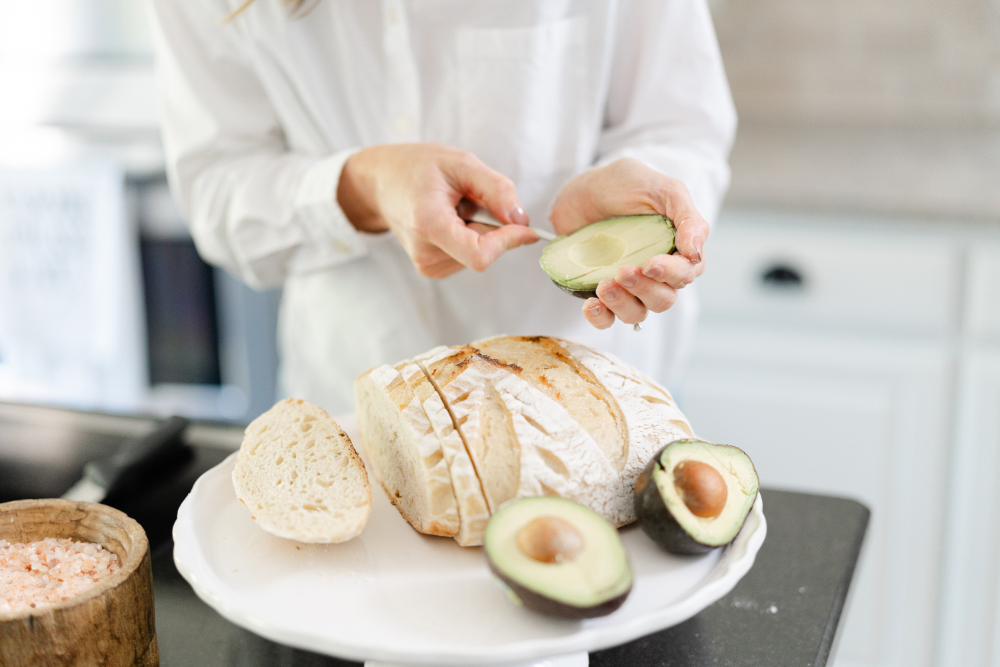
x=694, y=496
x=579, y=261
x=558, y=557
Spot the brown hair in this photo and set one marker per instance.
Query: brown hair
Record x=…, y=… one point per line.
x=292, y=5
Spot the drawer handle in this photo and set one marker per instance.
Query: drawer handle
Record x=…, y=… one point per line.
x=782, y=276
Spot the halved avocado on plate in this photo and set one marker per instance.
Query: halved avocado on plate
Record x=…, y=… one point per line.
x=694, y=496
x=579, y=261
x=558, y=557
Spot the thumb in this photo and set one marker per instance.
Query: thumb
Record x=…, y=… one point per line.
x=486, y=187
x=692, y=229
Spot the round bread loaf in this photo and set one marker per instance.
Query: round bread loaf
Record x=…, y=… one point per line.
x=518, y=416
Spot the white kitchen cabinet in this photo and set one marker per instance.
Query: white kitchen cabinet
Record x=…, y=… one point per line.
x=832, y=274
x=851, y=417
x=830, y=349
x=970, y=601
x=982, y=313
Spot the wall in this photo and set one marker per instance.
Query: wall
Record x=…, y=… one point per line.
x=856, y=106
x=910, y=62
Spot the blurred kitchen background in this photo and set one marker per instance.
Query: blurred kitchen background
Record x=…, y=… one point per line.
x=850, y=333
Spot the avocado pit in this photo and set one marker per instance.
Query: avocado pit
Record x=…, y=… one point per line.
x=701, y=487
x=549, y=539
x=694, y=496
x=558, y=557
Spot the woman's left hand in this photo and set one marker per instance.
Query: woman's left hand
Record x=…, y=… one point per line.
x=628, y=187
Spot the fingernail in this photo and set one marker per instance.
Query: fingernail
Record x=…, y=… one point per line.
x=699, y=244
x=596, y=309
x=518, y=216
x=611, y=294
x=628, y=280
x=654, y=272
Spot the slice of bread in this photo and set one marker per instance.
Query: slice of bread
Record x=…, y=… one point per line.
x=440, y=367
x=300, y=477
x=403, y=450
x=522, y=442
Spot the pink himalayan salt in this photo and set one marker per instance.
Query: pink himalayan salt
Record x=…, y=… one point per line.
x=49, y=571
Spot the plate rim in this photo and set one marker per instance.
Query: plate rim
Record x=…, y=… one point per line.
x=584, y=639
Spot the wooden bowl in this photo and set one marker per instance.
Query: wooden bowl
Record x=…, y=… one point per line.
x=111, y=624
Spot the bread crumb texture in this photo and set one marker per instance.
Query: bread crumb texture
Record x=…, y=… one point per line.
x=300, y=476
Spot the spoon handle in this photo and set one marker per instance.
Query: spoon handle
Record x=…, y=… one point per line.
x=484, y=217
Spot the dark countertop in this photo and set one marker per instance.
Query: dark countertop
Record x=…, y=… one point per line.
x=785, y=611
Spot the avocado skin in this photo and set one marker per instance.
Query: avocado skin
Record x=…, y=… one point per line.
x=656, y=520
x=581, y=293
x=546, y=605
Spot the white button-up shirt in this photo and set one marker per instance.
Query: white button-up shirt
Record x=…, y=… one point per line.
x=260, y=114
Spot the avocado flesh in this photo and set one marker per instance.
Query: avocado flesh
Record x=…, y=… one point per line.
x=593, y=583
x=579, y=261
x=665, y=517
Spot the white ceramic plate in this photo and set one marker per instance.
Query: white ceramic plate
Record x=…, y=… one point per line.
x=393, y=595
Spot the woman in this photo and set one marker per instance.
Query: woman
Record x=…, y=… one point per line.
x=325, y=148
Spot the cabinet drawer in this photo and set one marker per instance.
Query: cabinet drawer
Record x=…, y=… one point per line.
x=982, y=314
x=832, y=273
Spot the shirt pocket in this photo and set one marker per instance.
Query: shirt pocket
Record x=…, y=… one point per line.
x=522, y=95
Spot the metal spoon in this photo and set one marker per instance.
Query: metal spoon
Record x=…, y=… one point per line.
x=484, y=217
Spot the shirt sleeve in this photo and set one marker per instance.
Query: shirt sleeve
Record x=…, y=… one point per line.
x=254, y=207
x=669, y=104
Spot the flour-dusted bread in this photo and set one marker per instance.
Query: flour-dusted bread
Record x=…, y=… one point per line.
x=403, y=450
x=518, y=416
x=300, y=477
x=547, y=366
x=652, y=417
x=521, y=442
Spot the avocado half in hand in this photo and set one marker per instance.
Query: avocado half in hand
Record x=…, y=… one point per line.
x=694, y=496
x=558, y=557
x=579, y=261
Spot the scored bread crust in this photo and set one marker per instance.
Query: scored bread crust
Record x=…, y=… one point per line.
x=542, y=449
x=403, y=450
x=300, y=477
x=651, y=413
x=546, y=365
x=518, y=416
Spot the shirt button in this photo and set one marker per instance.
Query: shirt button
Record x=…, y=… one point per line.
x=402, y=124
x=341, y=247
x=393, y=15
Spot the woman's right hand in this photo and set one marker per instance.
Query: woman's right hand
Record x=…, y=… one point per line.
x=413, y=190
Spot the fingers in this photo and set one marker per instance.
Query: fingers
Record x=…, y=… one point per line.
x=598, y=314
x=673, y=270
x=632, y=295
x=619, y=301
x=486, y=187
x=652, y=295
x=477, y=246
x=628, y=187
x=692, y=229
x=478, y=251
